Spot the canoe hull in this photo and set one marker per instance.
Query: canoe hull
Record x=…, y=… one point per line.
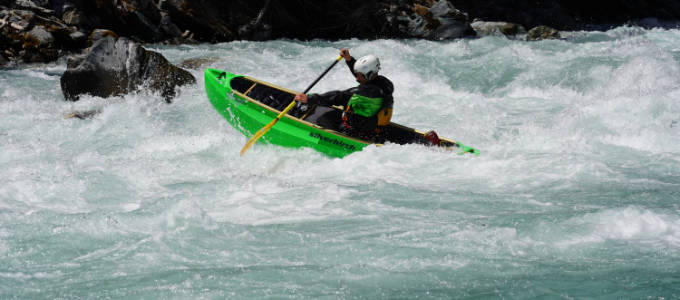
x=249, y=116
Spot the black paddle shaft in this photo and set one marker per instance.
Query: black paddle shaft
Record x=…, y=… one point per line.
x=321, y=76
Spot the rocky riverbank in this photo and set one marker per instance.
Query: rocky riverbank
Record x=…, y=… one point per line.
x=43, y=30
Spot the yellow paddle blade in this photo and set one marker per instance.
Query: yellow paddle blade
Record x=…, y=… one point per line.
x=264, y=130
x=256, y=137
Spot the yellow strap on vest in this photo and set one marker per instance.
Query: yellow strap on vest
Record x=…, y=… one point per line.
x=384, y=116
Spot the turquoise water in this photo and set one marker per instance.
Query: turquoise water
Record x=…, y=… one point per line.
x=576, y=193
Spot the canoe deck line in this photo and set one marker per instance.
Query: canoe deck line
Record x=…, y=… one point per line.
x=249, y=104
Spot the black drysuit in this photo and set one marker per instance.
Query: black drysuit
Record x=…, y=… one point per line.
x=357, y=123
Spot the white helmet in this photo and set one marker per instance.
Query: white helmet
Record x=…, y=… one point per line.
x=367, y=65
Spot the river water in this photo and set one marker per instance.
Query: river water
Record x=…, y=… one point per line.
x=576, y=193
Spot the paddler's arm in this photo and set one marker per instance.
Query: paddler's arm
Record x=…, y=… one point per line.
x=327, y=99
x=348, y=59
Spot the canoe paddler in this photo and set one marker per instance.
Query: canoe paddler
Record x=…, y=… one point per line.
x=367, y=106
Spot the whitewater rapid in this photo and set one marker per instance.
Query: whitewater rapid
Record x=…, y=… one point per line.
x=575, y=194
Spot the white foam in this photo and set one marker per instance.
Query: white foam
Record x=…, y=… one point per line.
x=631, y=224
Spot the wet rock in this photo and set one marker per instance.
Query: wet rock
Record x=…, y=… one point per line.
x=542, y=33
x=73, y=17
x=119, y=66
x=37, y=37
x=197, y=63
x=190, y=21
x=65, y=37
x=28, y=37
x=257, y=29
x=74, y=61
x=38, y=46
x=99, y=34
x=37, y=6
x=166, y=24
x=133, y=18
x=494, y=28
x=206, y=19
x=20, y=20
x=440, y=22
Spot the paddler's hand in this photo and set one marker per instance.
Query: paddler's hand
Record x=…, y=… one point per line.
x=345, y=54
x=300, y=98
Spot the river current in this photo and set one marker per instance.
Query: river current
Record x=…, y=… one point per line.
x=576, y=193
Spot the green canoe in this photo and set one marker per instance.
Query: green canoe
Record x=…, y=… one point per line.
x=250, y=104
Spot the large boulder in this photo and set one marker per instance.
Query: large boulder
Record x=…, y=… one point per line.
x=119, y=66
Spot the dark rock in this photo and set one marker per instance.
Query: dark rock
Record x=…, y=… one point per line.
x=166, y=24
x=39, y=55
x=136, y=19
x=162, y=76
x=542, y=33
x=257, y=29
x=73, y=17
x=120, y=66
x=38, y=37
x=74, y=61
x=208, y=20
x=191, y=21
x=148, y=29
x=494, y=28
x=453, y=22
x=439, y=22
x=65, y=37
x=38, y=46
x=197, y=63
x=10, y=55
x=168, y=27
x=36, y=6
x=76, y=40
x=28, y=37
x=58, y=7
x=21, y=20
x=99, y=34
